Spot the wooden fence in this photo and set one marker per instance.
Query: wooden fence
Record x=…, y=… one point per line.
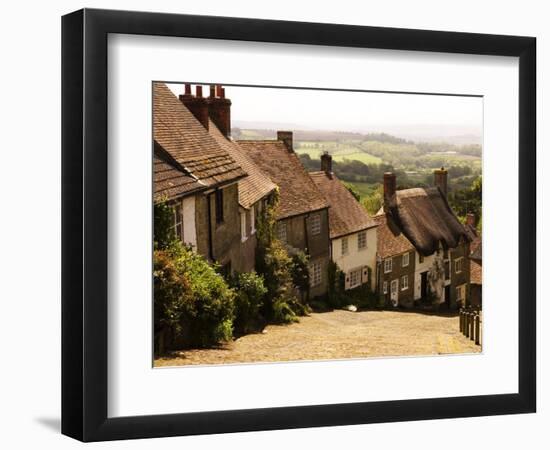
x=470, y=320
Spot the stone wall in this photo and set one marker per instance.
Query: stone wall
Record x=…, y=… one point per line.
x=405, y=296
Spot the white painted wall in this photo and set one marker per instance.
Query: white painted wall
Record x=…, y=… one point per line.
x=419, y=268
x=355, y=258
x=189, y=225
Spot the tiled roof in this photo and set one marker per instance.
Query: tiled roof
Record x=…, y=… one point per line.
x=425, y=217
x=188, y=142
x=346, y=214
x=170, y=179
x=257, y=184
x=391, y=241
x=476, y=273
x=298, y=192
x=475, y=249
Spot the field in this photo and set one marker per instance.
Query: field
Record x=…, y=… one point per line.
x=340, y=151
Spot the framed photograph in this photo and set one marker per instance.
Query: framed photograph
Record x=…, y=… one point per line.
x=273, y=224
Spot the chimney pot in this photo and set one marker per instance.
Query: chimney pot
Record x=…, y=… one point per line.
x=219, y=109
x=389, y=190
x=198, y=106
x=440, y=180
x=286, y=137
x=326, y=163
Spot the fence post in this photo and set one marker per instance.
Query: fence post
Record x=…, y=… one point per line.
x=460, y=320
x=467, y=324
x=472, y=324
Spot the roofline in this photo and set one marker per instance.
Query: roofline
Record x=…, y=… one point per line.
x=183, y=195
x=253, y=203
x=393, y=255
x=212, y=187
x=338, y=236
x=302, y=214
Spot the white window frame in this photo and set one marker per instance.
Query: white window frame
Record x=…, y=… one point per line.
x=388, y=267
x=345, y=246
x=315, y=277
x=459, y=264
x=244, y=235
x=404, y=282
x=281, y=231
x=360, y=235
x=403, y=260
x=315, y=224
x=355, y=273
x=385, y=287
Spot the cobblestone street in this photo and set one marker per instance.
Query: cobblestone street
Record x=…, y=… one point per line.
x=338, y=335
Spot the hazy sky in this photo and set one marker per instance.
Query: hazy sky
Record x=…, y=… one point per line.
x=355, y=111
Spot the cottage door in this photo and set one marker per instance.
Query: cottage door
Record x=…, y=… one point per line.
x=394, y=292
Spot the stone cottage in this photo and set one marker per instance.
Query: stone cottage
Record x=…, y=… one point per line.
x=442, y=245
x=395, y=269
x=206, y=215
x=302, y=214
x=353, y=233
x=254, y=191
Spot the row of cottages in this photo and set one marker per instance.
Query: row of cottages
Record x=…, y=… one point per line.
x=423, y=249
x=219, y=187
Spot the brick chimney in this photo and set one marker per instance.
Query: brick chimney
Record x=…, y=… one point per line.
x=196, y=104
x=326, y=164
x=471, y=219
x=286, y=137
x=440, y=180
x=389, y=190
x=219, y=109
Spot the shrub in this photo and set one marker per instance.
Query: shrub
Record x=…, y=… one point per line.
x=277, y=267
x=250, y=293
x=163, y=220
x=203, y=304
x=336, y=295
x=300, y=273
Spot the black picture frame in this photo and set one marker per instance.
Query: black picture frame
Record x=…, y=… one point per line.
x=84, y=224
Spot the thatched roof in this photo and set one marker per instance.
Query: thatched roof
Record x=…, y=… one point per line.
x=426, y=219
